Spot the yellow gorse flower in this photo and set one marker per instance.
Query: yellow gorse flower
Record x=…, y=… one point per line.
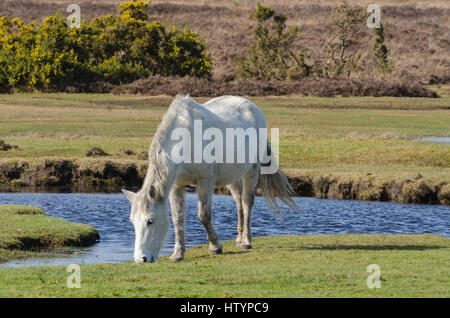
x=116, y=49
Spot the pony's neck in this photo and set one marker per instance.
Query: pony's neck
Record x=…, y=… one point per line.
x=160, y=175
x=161, y=172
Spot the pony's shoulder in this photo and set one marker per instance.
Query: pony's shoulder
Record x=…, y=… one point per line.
x=184, y=102
x=182, y=97
x=184, y=106
x=230, y=103
x=227, y=99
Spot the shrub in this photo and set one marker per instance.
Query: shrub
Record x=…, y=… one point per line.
x=96, y=152
x=343, y=48
x=5, y=146
x=4, y=79
x=271, y=55
x=324, y=87
x=381, y=52
x=128, y=152
x=110, y=49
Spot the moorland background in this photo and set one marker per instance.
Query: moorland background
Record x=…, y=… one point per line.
x=417, y=36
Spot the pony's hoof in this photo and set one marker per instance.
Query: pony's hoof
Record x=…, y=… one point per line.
x=176, y=258
x=245, y=247
x=238, y=244
x=216, y=251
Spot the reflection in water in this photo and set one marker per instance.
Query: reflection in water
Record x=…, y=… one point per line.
x=109, y=214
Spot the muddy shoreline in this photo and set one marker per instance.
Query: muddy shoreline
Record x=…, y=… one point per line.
x=93, y=175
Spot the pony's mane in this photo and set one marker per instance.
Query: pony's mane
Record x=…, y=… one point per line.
x=159, y=160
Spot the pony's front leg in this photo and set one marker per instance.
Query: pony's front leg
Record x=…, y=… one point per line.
x=176, y=198
x=205, y=192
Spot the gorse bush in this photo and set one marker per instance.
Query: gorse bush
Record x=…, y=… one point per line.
x=113, y=49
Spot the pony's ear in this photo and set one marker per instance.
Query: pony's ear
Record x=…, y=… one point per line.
x=130, y=195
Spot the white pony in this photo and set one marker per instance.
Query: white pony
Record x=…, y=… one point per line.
x=167, y=179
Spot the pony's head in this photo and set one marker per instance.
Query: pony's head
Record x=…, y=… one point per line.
x=151, y=223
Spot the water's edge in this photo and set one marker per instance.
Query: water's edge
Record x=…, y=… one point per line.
x=110, y=176
x=109, y=214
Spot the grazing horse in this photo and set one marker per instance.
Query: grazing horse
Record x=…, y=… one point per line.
x=167, y=178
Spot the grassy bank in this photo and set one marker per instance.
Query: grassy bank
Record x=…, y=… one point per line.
x=289, y=266
x=25, y=230
x=110, y=175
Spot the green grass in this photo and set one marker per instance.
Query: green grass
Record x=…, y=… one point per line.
x=286, y=266
x=342, y=136
x=25, y=230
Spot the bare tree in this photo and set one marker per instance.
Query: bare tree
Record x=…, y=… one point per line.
x=343, y=48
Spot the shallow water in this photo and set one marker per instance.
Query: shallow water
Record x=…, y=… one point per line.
x=445, y=140
x=109, y=214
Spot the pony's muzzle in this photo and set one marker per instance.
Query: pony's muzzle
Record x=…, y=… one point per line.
x=141, y=259
x=144, y=259
x=138, y=260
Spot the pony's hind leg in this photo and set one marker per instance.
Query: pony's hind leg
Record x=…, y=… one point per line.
x=176, y=198
x=249, y=181
x=205, y=192
x=236, y=192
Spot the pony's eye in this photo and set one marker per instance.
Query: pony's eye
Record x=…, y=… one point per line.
x=149, y=222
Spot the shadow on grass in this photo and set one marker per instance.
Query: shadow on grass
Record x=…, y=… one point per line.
x=224, y=253
x=234, y=252
x=370, y=247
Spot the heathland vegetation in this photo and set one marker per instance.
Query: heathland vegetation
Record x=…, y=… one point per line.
x=314, y=46
x=113, y=49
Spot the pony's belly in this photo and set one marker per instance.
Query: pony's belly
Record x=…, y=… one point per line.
x=230, y=173
x=223, y=174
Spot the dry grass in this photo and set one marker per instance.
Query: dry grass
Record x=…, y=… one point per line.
x=251, y=3
x=157, y=85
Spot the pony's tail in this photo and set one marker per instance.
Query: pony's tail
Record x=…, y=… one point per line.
x=276, y=185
